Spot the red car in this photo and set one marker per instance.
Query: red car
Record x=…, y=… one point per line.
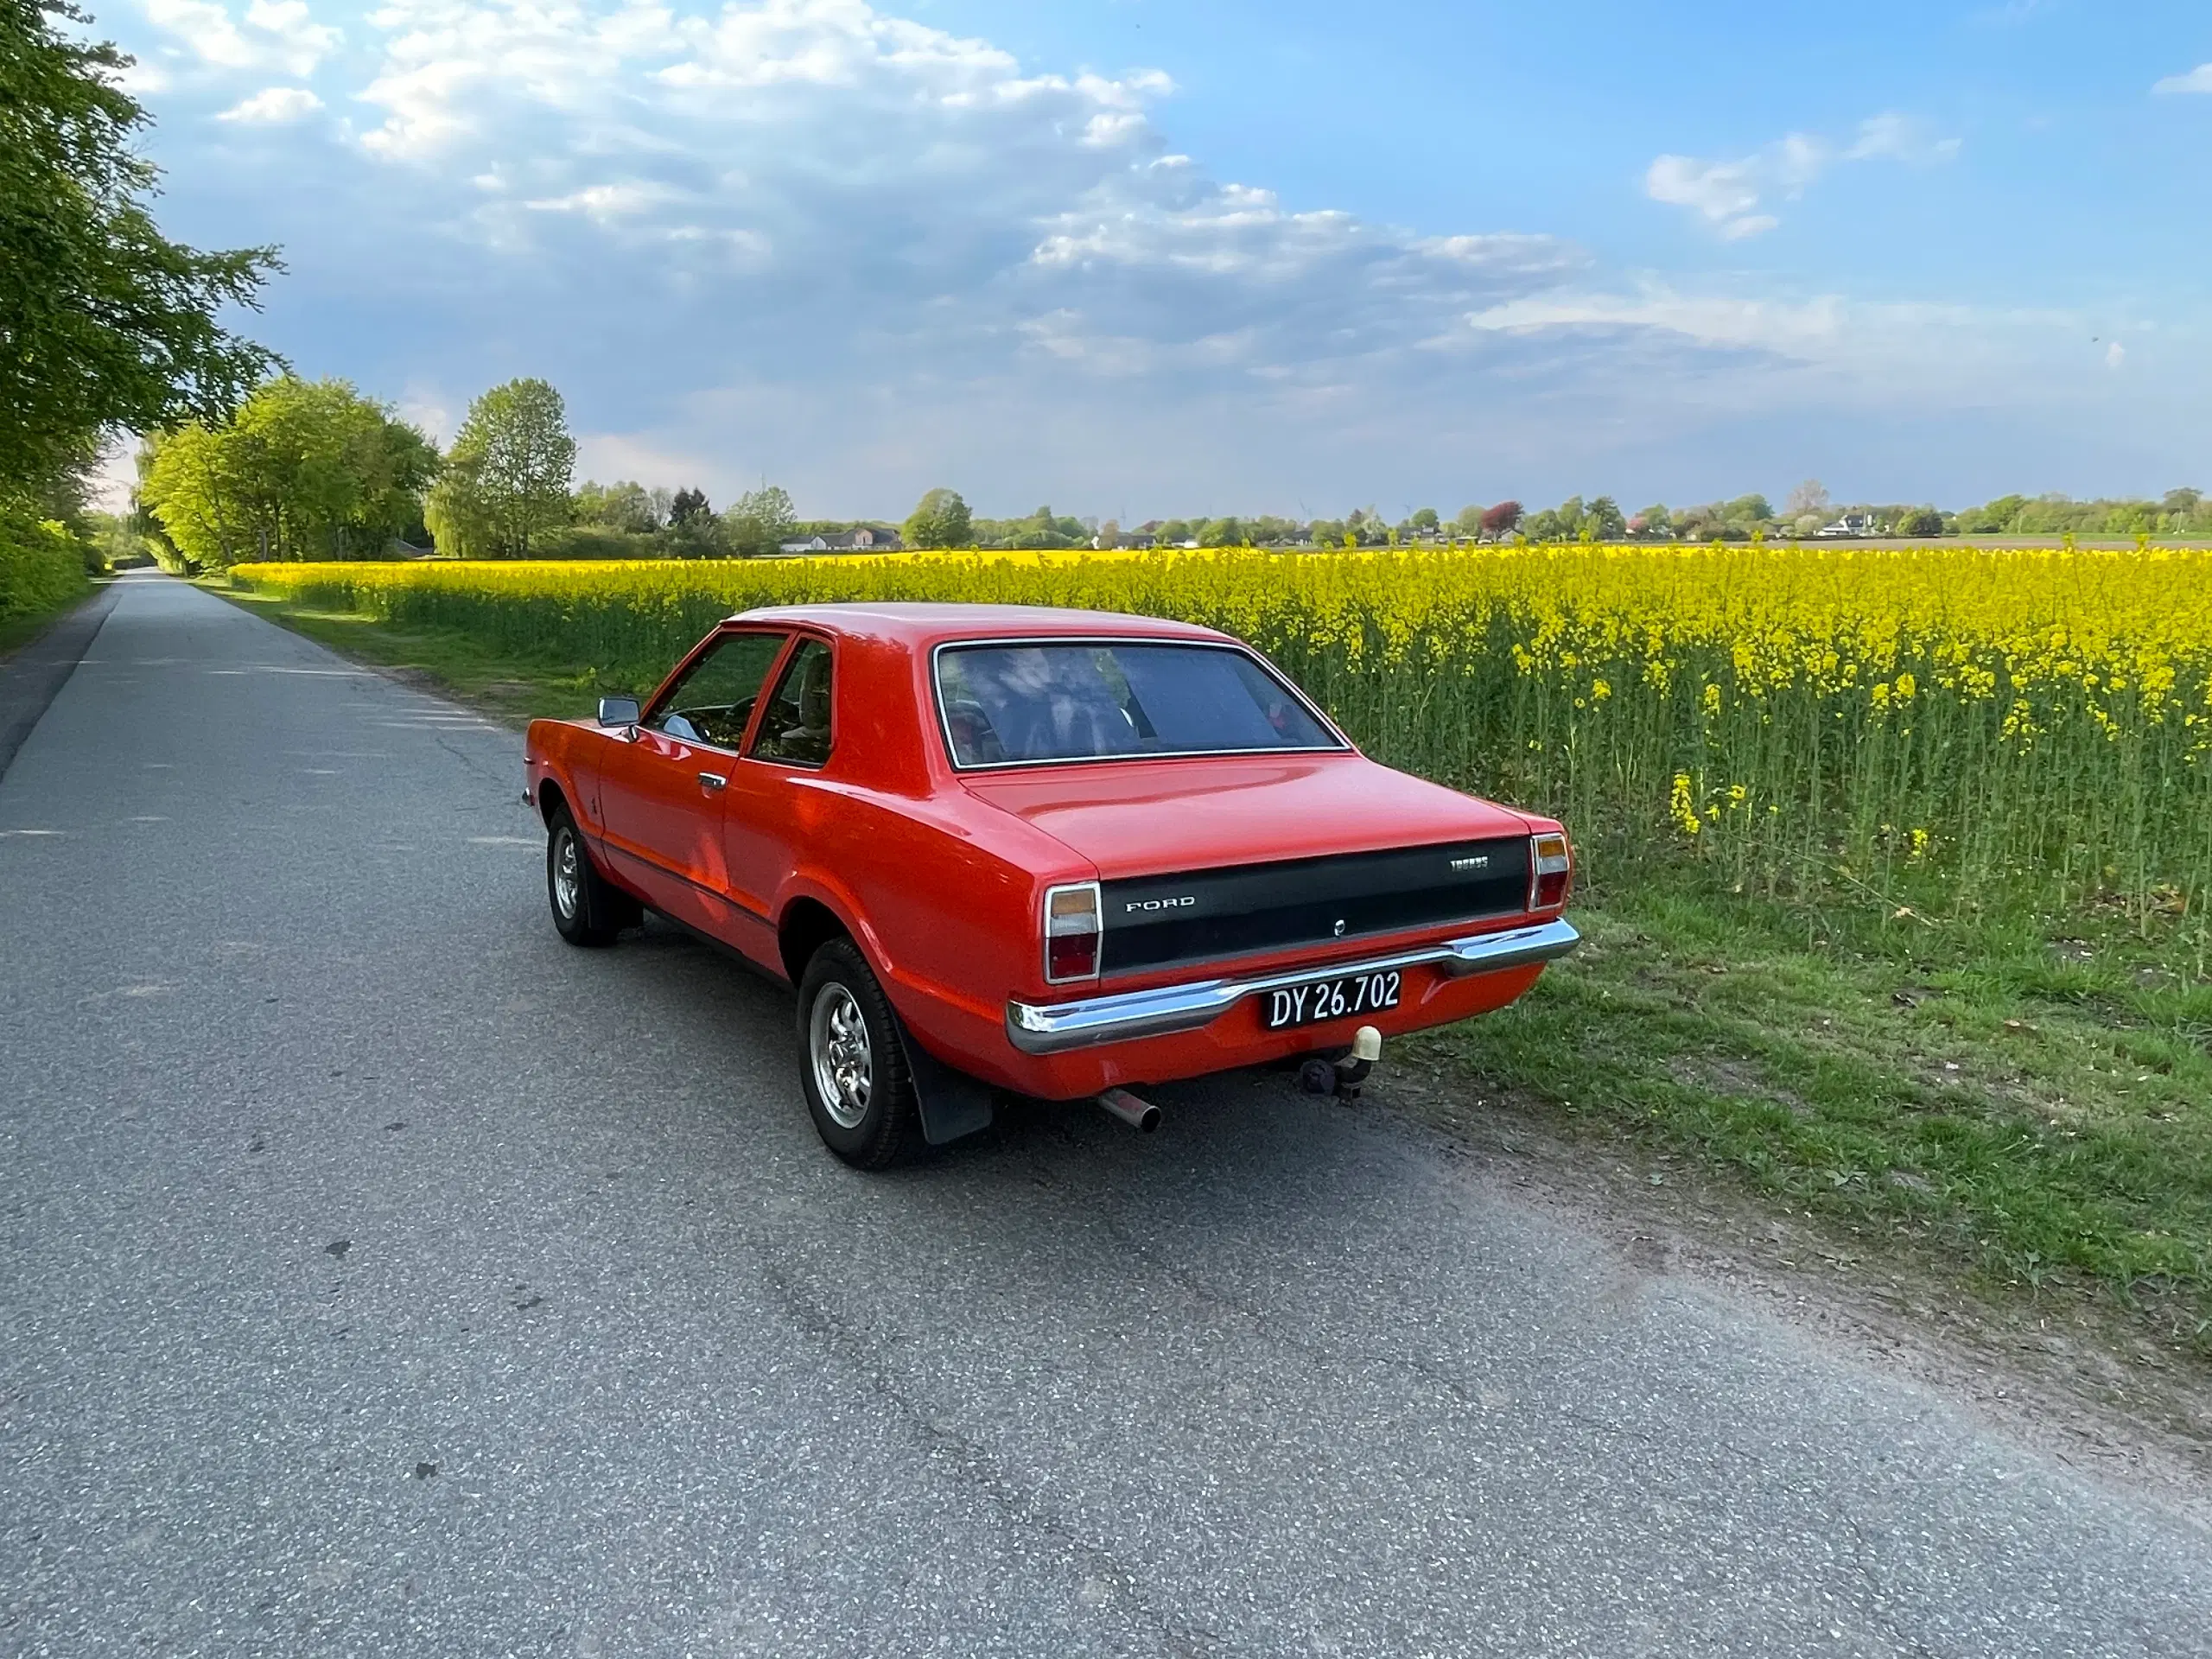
x=1055, y=852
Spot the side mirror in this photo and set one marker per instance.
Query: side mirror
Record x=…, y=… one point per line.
x=618, y=711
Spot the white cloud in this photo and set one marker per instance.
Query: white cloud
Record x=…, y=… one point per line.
x=2198, y=79
x=273, y=106
x=2116, y=355
x=279, y=35
x=894, y=182
x=1730, y=196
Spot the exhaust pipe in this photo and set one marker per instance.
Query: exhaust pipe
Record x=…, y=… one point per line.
x=1140, y=1115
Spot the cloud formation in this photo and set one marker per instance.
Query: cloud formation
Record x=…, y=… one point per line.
x=271, y=35
x=861, y=255
x=1731, y=195
x=2198, y=79
x=273, y=106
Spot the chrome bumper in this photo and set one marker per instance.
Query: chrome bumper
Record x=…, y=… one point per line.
x=1055, y=1027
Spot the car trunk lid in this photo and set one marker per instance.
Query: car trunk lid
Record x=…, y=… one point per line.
x=1206, y=860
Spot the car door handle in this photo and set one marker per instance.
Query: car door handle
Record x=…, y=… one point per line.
x=711, y=781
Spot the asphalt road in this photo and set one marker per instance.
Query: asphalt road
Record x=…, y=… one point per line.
x=382, y=1277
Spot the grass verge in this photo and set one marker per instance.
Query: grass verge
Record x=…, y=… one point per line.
x=2033, y=1115
x=2027, y=1116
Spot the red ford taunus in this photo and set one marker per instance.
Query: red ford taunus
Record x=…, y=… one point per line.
x=1060, y=853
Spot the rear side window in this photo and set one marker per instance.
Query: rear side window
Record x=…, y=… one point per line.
x=1006, y=704
x=795, y=726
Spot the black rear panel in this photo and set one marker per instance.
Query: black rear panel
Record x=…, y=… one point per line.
x=1160, y=921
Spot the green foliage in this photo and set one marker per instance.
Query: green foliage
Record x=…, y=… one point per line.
x=505, y=482
x=305, y=470
x=1920, y=521
x=757, y=521
x=627, y=506
x=941, y=519
x=2183, y=514
x=106, y=322
x=591, y=540
x=42, y=565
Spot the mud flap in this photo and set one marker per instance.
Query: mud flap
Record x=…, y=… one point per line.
x=953, y=1105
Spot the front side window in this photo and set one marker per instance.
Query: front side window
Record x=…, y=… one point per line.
x=795, y=726
x=1006, y=704
x=714, y=699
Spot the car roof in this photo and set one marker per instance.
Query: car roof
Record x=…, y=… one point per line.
x=921, y=626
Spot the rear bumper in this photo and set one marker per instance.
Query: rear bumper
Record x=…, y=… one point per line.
x=1057, y=1027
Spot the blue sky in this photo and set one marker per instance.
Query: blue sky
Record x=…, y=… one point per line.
x=1134, y=258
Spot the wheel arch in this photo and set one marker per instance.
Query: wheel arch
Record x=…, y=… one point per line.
x=552, y=798
x=804, y=927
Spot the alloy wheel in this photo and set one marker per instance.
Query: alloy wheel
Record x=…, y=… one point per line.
x=837, y=1045
x=568, y=875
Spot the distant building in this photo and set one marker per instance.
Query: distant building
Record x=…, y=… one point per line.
x=1852, y=523
x=863, y=539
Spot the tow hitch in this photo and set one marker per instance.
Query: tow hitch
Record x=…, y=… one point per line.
x=1342, y=1077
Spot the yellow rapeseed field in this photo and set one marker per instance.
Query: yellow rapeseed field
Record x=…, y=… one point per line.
x=1886, y=718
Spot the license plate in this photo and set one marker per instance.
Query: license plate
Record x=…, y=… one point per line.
x=1329, y=999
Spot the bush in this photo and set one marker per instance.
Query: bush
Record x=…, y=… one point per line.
x=42, y=566
x=598, y=542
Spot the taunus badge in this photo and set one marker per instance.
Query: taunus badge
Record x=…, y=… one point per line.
x=1477, y=862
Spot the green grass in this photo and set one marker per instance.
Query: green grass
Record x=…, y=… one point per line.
x=19, y=628
x=2033, y=1113
x=512, y=686
x=2024, y=1106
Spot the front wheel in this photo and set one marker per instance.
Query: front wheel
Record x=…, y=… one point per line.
x=852, y=1063
x=588, y=910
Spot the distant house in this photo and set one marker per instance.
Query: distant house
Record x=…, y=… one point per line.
x=862, y=538
x=1852, y=523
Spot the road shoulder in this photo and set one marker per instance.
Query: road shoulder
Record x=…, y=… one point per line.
x=34, y=675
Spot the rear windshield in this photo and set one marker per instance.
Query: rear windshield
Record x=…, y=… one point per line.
x=1007, y=703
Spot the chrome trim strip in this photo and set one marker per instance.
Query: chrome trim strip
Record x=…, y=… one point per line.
x=1055, y=1027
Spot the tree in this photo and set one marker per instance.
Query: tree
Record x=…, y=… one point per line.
x=1424, y=521
x=1110, y=534
x=757, y=522
x=1747, y=511
x=1503, y=519
x=1175, y=533
x=687, y=508
x=104, y=322
x=305, y=470
x=1222, y=532
x=940, y=519
x=1468, y=522
x=1605, y=522
x=505, y=481
x=1811, y=496
x=1921, y=521
x=625, y=506
x=1654, y=520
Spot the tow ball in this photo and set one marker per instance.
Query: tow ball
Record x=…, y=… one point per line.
x=1342, y=1077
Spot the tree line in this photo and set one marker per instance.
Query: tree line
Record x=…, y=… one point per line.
x=104, y=322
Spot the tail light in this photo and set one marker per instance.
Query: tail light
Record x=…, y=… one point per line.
x=1551, y=869
x=1072, y=930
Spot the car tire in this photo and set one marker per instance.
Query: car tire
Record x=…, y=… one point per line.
x=853, y=1061
x=588, y=909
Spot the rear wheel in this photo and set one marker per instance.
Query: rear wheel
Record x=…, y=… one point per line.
x=852, y=1063
x=588, y=909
